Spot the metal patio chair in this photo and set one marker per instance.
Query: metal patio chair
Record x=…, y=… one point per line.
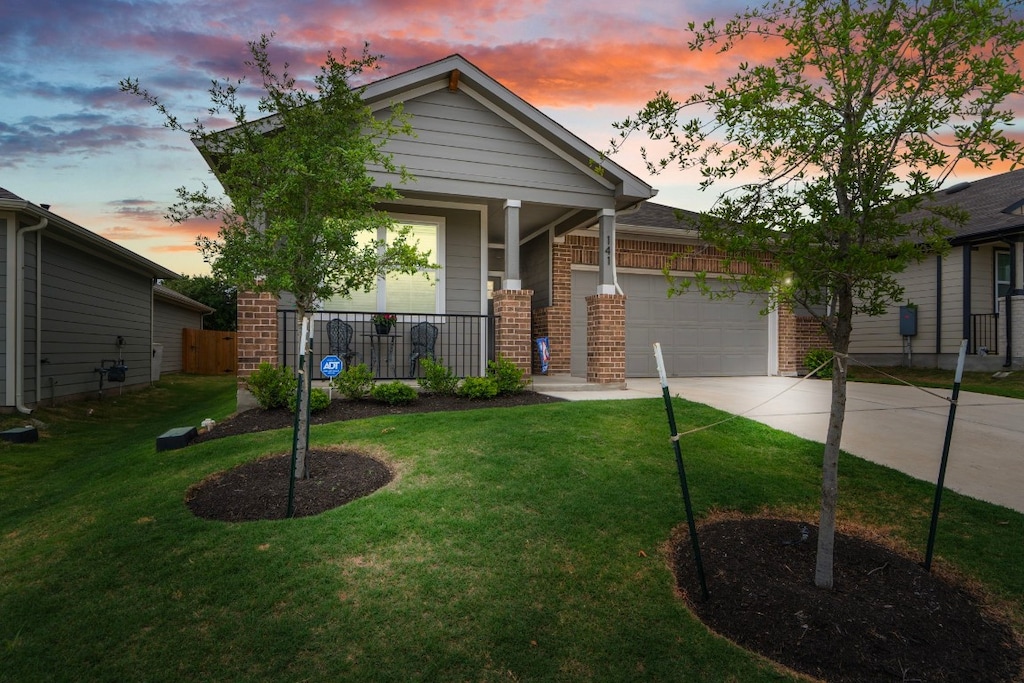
x=422, y=336
x=339, y=341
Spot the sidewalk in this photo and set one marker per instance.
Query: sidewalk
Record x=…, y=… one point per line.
x=897, y=426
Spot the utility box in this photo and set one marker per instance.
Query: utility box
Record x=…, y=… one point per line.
x=908, y=321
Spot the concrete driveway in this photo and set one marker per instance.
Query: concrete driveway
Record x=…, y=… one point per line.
x=897, y=426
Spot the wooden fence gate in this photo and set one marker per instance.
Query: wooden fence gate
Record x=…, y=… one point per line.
x=209, y=352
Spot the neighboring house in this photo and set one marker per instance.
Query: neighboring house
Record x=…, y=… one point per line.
x=965, y=294
x=173, y=312
x=73, y=302
x=528, y=229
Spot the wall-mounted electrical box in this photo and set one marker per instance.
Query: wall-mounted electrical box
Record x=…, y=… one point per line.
x=908, y=321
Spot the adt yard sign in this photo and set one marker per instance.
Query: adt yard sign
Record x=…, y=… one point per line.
x=331, y=366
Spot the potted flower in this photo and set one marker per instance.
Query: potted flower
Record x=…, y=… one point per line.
x=384, y=322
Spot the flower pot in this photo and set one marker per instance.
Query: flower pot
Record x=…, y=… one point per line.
x=382, y=328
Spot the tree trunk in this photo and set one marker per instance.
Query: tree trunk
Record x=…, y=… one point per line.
x=301, y=436
x=833, y=440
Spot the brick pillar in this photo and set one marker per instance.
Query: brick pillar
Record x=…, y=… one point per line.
x=606, y=338
x=788, y=361
x=555, y=321
x=512, y=326
x=257, y=337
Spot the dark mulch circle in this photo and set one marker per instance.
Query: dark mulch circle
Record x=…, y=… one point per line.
x=259, y=489
x=886, y=618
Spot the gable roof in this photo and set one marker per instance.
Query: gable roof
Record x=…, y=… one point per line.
x=459, y=72
x=990, y=202
x=82, y=238
x=178, y=299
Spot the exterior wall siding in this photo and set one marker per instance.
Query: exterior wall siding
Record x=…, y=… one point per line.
x=881, y=334
x=535, y=269
x=168, y=322
x=464, y=147
x=88, y=303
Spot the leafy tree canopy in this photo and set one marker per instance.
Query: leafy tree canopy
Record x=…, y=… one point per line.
x=216, y=293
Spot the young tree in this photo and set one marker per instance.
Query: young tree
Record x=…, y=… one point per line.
x=298, y=188
x=216, y=293
x=834, y=148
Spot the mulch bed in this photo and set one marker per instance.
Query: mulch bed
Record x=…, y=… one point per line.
x=886, y=619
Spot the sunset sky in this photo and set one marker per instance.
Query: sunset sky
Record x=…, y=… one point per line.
x=70, y=138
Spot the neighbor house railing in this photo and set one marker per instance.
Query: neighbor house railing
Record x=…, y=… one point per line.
x=463, y=343
x=985, y=333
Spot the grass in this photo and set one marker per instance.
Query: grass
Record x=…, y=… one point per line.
x=517, y=544
x=1010, y=384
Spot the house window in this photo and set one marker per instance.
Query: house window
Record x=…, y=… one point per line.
x=399, y=292
x=1002, y=274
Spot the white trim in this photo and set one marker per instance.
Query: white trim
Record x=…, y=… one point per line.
x=773, y=342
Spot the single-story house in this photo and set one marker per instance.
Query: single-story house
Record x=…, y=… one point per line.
x=77, y=308
x=537, y=236
x=975, y=292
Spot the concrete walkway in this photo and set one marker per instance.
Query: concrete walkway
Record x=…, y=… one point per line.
x=897, y=426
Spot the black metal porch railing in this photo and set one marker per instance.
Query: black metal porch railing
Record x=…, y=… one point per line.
x=463, y=343
x=985, y=333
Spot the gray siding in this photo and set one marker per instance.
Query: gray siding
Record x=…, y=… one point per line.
x=881, y=334
x=462, y=267
x=168, y=322
x=462, y=147
x=87, y=304
x=535, y=269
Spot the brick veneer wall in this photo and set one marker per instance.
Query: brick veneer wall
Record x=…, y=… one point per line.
x=257, y=331
x=512, y=326
x=606, y=338
x=798, y=334
x=555, y=321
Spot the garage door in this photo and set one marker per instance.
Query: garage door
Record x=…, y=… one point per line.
x=699, y=337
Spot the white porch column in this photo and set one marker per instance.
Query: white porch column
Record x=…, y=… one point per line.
x=606, y=253
x=513, y=280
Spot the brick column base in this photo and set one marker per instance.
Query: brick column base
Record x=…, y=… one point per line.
x=512, y=326
x=257, y=338
x=606, y=338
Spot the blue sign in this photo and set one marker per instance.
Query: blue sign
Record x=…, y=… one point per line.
x=331, y=366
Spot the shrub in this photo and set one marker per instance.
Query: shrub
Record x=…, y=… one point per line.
x=438, y=378
x=319, y=400
x=272, y=387
x=478, y=388
x=816, y=357
x=507, y=376
x=355, y=381
x=394, y=393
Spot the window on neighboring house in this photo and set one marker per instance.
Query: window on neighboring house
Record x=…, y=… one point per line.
x=1002, y=275
x=398, y=292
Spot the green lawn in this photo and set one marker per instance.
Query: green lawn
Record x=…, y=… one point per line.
x=516, y=545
